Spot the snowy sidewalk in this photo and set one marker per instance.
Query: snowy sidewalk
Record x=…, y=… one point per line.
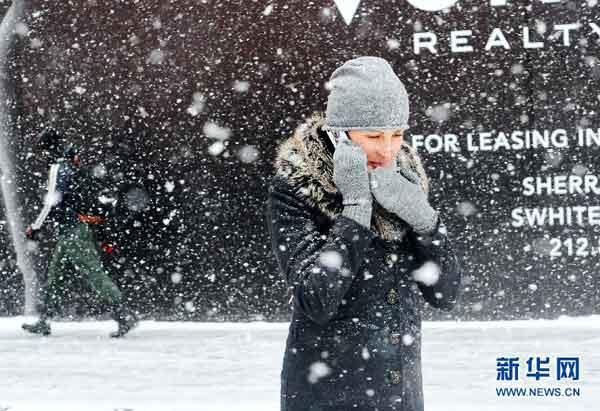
x=180, y=366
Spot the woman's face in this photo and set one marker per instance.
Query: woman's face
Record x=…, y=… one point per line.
x=381, y=146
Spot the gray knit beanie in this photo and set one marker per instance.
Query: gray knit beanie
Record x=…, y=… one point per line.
x=366, y=94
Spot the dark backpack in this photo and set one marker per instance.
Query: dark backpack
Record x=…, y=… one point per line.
x=96, y=195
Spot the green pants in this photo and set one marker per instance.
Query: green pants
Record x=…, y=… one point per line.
x=76, y=248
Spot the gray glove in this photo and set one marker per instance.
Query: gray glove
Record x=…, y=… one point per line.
x=352, y=180
x=399, y=191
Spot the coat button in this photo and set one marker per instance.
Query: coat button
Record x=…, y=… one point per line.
x=395, y=338
x=392, y=297
x=395, y=377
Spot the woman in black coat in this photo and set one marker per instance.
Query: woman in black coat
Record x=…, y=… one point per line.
x=354, y=235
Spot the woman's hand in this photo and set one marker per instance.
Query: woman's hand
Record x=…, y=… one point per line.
x=402, y=194
x=352, y=180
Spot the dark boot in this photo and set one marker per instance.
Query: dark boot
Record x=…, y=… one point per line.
x=40, y=327
x=126, y=320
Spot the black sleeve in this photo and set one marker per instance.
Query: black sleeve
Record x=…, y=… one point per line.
x=320, y=267
x=436, y=248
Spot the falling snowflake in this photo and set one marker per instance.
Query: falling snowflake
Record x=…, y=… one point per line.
x=317, y=371
x=428, y=273
x=331, y=259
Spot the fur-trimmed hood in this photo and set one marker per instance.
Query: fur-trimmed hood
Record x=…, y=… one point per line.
x=306, y=163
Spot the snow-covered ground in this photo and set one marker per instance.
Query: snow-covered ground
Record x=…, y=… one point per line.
x=166, y=366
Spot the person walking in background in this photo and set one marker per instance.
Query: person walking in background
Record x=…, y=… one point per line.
x=73, y=206
x=354, y=235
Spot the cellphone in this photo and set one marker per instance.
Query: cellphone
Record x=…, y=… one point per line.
x=328, y=139
x=335, y=136
x=332, y=138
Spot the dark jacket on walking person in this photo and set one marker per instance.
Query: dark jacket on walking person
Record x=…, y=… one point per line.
x=357, y=242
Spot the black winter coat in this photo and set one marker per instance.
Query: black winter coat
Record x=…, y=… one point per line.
x=354, y=341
